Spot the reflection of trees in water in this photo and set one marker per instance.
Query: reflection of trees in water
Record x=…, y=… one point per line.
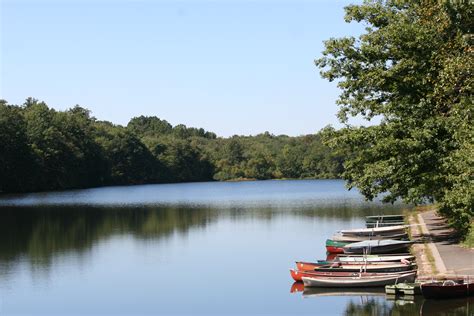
x=337, y=212
x=38, y=233
x=372, y=306
x=349, y=211
x=367, y=306
x=450, y=307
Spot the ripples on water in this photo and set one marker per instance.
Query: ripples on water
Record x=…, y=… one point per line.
x=201, y=248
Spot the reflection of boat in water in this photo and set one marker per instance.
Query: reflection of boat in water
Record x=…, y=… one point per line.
x=297, y=287
x=400, y=299
x=451, y=307
x=314, y=291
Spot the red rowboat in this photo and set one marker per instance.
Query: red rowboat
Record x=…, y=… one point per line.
x=334, y=249
x=335, y=246
x=298, y=274
x=300, y=265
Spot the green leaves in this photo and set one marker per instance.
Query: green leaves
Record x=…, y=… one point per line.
x=413, y=68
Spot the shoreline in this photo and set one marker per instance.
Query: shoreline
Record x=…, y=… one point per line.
x=236, y=180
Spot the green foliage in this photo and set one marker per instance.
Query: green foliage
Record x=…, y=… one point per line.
x=413, y=70
x=185, y=162
x=45, y=149
x=145, y=126
x=290, y=162
x=15, y=152
x=153, y=126
x=63, y=152
x=266, y=156
x=130, y=161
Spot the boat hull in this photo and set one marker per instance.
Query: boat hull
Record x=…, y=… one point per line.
x=368, y=268
x=385, y=218
x=437, y=290
x=375, y=258
x=392, y=230
x=333, y=246
x=343, y=238
x=403, y=289
x=377, y=247
x=297, y=275
x=334, y=249
x=382, y=224
x=372, y=281
x=308, y=266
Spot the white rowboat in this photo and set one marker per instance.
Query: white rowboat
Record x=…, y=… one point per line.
x=389, y=230
x=358, y=281
x=374, y=258
x=340, y=237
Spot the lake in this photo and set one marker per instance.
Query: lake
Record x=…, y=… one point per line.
x=216, y=248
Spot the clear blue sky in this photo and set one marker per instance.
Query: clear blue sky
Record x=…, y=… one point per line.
x=232, y=67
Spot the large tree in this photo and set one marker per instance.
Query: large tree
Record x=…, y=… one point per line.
x=412, y=70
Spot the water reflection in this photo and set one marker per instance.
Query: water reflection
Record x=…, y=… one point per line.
x=40, y=232
x=363, y=301
x=451, y=307
x=369, y=302
x=56, y=252
x=360, y=292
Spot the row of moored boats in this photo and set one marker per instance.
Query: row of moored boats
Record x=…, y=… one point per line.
x=375, y=256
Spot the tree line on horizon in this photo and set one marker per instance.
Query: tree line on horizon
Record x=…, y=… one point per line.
x=44, y=149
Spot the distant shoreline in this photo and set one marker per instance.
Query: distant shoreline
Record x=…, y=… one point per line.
x=4, y=194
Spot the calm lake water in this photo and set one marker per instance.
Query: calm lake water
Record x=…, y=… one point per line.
x=193, y=249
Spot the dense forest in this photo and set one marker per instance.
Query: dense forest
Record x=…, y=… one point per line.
x=45, y=149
